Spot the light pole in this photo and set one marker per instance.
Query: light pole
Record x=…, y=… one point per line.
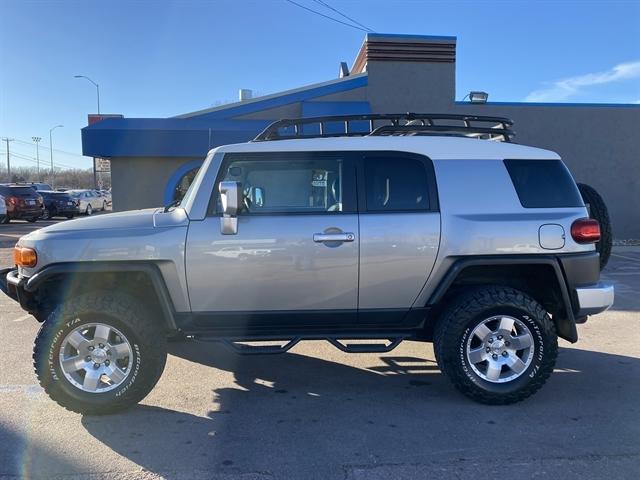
x=8, y=157
x=95, y=179
x=96, y=85
x=51, y=149
x=36, y=140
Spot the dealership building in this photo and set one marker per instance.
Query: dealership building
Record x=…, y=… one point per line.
x=153, y=159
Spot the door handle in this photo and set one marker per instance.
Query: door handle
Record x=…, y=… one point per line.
x=333, y=237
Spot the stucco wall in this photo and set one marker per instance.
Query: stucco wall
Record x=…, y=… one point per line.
x=140, y=182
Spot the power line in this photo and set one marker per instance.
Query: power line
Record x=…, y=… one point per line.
x=326, y=16
x=25, y=142
x=28, y=158
x=320, y=2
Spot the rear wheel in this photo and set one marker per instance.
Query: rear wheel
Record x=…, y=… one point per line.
x=598, y=210
x=99, y=353
x=6, y=219
x=104, y=206
x=46, y=214
x=70, y=216
x=89, y=210
x=32, y=219
x=497, y=345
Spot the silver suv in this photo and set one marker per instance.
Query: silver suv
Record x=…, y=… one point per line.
x=378, y=228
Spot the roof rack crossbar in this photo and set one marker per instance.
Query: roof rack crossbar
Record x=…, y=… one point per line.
x=475, y=126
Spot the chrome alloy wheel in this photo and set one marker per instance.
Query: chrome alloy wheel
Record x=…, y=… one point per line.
x=500, y=349
x=95, y=357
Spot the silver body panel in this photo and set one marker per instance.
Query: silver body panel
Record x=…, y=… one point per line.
x=139, y=235
x=272, y=263
x=397, y=254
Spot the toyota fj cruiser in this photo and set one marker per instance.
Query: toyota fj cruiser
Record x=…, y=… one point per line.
x=375, y=228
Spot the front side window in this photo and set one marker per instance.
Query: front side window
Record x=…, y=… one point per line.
x=396, y=184
x=288, y=183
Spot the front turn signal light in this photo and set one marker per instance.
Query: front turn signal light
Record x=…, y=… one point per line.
x=24, y=256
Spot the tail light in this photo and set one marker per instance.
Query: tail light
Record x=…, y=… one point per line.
x=585, y=230
x=13, y=200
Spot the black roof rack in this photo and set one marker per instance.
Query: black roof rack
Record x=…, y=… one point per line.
x=376, y=124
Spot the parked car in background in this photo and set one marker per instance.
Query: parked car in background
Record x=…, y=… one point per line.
x=22, y=202
x=3, y=209
x=58, y=204
x=88, y=201
x=40, y=186
x=106, y=194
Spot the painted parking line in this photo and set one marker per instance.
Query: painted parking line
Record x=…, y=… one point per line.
x=633, y=259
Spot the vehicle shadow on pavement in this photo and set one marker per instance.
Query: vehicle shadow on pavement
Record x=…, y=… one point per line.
x=296, y=416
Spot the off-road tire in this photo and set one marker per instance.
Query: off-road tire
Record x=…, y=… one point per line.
x=598, y=211
x=147, y=339
x=468, y=310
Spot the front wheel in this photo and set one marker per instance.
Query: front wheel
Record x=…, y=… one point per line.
x=32, y=219
x=89, y=210
x=497, y=345
x=99, y=354
x=46, y=214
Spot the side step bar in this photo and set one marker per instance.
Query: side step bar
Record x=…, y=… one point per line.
x=236, y=344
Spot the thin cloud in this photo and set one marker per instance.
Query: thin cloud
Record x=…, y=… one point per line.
x=563, y=89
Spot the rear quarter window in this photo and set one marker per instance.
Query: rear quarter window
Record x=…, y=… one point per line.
x=543, y=184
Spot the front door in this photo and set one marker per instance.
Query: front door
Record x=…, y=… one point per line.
x=294, y=258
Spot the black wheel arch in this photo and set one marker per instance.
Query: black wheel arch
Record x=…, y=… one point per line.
x=540, y=276
x=143, y=280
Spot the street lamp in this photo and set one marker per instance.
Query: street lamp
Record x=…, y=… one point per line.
x=36, y=140
x=51, y=148
x=96, y=85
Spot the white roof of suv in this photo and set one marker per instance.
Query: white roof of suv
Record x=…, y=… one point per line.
x=435, y=147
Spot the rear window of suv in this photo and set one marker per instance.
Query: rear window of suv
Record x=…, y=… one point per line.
x=19, y=191
x=543, y=184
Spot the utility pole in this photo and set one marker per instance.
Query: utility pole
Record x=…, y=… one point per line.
x=51, y=149
x=36, y=140
x=8, y=157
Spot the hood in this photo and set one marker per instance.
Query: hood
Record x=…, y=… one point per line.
x=146, y=219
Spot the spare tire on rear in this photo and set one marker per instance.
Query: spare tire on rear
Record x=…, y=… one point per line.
x=598, y=211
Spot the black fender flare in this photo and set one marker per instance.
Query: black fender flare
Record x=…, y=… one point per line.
x=565, y=324
x=148, y=268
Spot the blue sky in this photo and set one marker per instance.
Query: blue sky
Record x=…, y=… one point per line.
x=158, y=59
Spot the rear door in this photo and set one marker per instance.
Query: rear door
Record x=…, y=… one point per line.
x=399, y=232
x=294, y=258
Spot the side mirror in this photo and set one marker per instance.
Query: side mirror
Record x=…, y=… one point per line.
x=231, y=200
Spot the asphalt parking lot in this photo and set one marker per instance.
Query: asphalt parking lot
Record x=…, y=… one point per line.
x=318, y=413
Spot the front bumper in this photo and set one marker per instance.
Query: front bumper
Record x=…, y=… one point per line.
x=14, y=287
x=594, y=299
x=11, y=285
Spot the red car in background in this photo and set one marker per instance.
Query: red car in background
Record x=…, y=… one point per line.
x=22, y=202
